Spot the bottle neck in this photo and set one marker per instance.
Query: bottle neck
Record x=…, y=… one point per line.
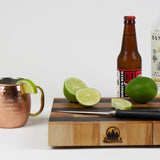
x=129, y=42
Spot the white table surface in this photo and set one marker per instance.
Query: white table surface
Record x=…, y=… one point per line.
x=31, y=141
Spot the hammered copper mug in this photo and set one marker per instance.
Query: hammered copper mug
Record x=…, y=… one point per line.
x=15, y=105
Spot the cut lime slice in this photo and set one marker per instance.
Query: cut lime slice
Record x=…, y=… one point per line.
x=29, y=86
x=88, y=96
x=71, y=85
x=121, y=104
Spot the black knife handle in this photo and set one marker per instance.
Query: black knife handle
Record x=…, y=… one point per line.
x=146, y=115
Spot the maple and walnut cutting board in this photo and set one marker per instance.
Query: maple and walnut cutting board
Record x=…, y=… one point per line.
x=65, y=129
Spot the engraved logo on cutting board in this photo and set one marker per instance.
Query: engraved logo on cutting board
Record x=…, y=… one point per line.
x=112, y=135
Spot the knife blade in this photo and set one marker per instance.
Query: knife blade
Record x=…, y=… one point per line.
x=146, y=115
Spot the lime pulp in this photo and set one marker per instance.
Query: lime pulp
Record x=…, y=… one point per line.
x=88, y=96
x=121, y=104
x=29, y=86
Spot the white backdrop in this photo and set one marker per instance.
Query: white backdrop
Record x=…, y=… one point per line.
x=48, y=41
x=51, y=40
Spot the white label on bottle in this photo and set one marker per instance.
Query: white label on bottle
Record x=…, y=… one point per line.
x=155, y=58
x=123, y=78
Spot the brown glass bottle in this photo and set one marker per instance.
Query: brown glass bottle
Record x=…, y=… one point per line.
x=129, y=60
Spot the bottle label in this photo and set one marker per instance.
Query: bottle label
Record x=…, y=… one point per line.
x=123, y=78
x=155, y=58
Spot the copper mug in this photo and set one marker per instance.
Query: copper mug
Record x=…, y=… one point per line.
x=15, y=104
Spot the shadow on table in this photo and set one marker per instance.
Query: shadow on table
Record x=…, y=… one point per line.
x=39, y=120
x=104, y=147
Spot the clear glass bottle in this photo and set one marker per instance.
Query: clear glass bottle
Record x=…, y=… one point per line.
x=155, y=53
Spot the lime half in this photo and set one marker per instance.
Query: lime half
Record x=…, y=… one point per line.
x=29, y=86
x=71, y=85
x=121, y=104
x=88, y=96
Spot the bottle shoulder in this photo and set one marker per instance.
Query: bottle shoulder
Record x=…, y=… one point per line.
x=129, y=64
x=155, y=31
x=129, y=61
x=129, y=54
x=156, y=25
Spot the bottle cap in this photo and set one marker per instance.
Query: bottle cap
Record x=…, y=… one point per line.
x=129, y=17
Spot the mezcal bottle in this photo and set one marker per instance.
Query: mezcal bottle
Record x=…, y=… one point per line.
x=155, y=53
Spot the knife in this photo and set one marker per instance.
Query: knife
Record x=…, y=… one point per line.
x=146, y=115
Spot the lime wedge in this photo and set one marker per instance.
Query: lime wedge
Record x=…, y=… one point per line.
x=71, y=85
x=121, y=104
x=88, y=96
x=29, y=86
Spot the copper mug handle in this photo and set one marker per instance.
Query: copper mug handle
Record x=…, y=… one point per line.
x=42, y=103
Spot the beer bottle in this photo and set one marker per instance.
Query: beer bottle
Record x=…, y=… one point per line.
x=129, y=60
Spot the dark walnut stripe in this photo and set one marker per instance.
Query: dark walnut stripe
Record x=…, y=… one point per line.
x=89, y=119
x=66, y=101
x=60, y=101
x=82, y=109
x=105, y=109
x=103, y=100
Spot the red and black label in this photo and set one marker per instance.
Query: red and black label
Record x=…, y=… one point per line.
x=123, y=78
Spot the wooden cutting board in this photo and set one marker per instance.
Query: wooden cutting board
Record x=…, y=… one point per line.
x=66, y=129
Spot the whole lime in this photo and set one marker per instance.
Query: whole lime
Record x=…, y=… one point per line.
x=141, y=89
